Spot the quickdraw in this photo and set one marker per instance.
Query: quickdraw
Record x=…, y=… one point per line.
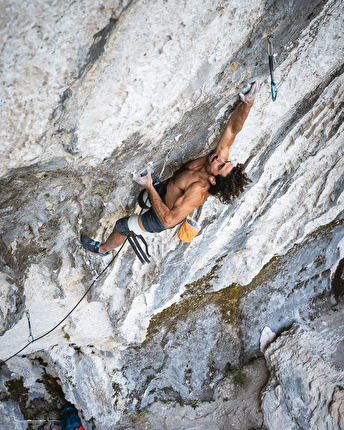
x=163, y=167
x=271, y=64
x=30, y=338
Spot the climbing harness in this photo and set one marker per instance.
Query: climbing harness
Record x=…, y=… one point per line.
x=30, y=338
x=271, y=64
x=143, y=199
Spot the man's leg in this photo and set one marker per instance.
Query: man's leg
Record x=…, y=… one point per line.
x=113, y=241
x=116, y=239
x=124, y=226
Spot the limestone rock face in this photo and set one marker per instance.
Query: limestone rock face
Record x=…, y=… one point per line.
x=305, y=389
x=94, y=90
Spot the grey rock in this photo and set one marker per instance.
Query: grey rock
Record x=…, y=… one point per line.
x=306, y=365
x=94, y=91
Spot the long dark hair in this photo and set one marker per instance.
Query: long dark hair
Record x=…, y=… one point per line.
x=230, y=186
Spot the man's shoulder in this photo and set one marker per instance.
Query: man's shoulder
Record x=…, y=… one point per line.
x=196, y=164
x=197, y=182
x=190, y=177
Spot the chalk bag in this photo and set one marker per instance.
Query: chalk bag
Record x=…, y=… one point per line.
x=188, y=229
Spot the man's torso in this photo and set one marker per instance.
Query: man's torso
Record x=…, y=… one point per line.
x=188, y=174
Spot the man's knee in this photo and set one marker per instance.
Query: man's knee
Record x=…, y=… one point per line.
x=122, y=226
x=128, y=225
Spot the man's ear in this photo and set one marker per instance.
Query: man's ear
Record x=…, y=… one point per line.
x=212, y=180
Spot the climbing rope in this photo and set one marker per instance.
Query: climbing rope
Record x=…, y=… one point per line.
x=271, y=65
x=31, y=339
x=69, y=313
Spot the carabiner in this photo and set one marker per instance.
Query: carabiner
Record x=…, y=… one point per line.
x=273, y=94
x=271, y=65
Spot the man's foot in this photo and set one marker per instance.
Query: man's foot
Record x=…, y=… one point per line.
x=90, y=244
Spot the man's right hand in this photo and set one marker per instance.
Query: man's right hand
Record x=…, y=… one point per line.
x=144, y=181
x=249, y=97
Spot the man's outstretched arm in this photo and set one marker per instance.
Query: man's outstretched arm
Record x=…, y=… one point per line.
x=236, y=121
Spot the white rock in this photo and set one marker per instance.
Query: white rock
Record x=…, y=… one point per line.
x=266, y=338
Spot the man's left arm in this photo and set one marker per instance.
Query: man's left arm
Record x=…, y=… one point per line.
x=236, y=121
x=183, y=206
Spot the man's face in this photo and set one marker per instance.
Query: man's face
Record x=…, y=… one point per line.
x=215, y=165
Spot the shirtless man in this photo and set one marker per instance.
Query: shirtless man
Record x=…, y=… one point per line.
x=188, y=188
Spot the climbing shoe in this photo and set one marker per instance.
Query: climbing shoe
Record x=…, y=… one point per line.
x=91, y=245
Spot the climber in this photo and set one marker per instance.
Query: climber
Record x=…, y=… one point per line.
x=188, y=188
x=69, y=420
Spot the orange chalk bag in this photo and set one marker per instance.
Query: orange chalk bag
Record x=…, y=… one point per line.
x=188, y=229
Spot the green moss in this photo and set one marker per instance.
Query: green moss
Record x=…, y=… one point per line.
x=226, y=300
x=54, y=388
x=66, y=335
x=239, y=379
x=194, y=404
x=16, y=388
x=15, y=384
x=196, y=300
x=201, y=285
